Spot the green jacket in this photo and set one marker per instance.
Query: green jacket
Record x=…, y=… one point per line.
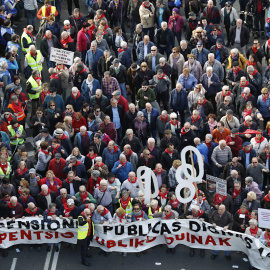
x=148, y=93
x=91, y=199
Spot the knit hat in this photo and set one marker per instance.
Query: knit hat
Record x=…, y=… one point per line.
x=176, y=10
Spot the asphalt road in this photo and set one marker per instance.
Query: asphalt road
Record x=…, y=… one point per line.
x=156, y=258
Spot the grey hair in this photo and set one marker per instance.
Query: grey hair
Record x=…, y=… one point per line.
x=222, y=142
x=209, y=68
x=98, y=159
x=122, y=156
x=234, y=50
x=249, y=179
x=123, y=44
x=168, y=207
x=250, y=68
x=209, y=136
x=151, y=140
x=4, y=65
x=162, y=59
x=94, y=43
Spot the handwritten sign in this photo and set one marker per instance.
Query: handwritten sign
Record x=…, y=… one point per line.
x=61, y=56
x=216, y=185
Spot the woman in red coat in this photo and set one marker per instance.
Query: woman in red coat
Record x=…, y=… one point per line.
x=84, y=39
x=53, y=183
x=78, y=121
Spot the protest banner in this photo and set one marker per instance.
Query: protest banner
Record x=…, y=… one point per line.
x=142, y=235
x=264, y=218
x=34, y=231
x=61, y=56
x=216, y=185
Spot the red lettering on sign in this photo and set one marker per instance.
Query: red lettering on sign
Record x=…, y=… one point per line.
x=111, y=243
x=26, y=234
x=12, y=236
x=149, y=239
x=224, y=242
x=120, y=244
x=196, y=239
x=169, y=240
x=3, y=236
x=210, y=239
x=138, y=242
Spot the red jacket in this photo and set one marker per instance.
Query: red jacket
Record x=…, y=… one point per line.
x=3, y=126
x=236, y=147
x=57, y=168
x=16, y=212
x=123, y=102
x=82, y=40
x=92, y=184
x=77, y=124
x=57, y=182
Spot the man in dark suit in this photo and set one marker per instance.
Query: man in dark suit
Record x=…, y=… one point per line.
x=73, y=183
x=239, y=36
x=152, y=59
x=116, y=113
x=98, y=144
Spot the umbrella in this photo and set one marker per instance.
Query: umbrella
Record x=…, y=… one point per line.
x=249, y=131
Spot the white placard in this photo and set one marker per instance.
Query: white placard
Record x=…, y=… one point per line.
x=216, y=185
x=264, y=218
x=61, y=56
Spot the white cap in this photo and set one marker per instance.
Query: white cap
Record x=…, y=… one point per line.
x=66, y=22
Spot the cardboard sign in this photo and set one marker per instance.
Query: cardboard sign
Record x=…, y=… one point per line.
x=216, y=185
x=264, y=218
x=61, y=56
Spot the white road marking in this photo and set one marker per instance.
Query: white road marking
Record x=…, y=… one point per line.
x=47, y=261
x=55, y=258
x=13, y=265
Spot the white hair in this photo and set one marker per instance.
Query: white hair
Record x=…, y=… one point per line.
x=44, y=186
x=162, y=59
x=209, y=136
x=123, y=44
x=209, y=68
x=250, y=68
x=234, y=50
x=98, y=159
x=77, y=60
x=225, y=87
x=173, y=115
x=211, y=55
x=151, y=140
x=164, y=23
x=103, y=181
x=74, y=88
x=222, y=142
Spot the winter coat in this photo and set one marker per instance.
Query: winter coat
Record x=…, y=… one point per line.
x=110, y=157
x=76, y=103
x=123, y=171
x=146, y=21
x=176, y=24
x=44, y=47
x=85, y=91
x=195, y=70
x=183, y=100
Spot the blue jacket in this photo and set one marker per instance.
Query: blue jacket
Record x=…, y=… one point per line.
x=205, y=53
x=203, y=149
x=183, y=100
x=91, y=59
x=76, y=103
x=188, y=83
x=78, y=169
x=242, y=155
x=25, y=204
x=122, y=172
x=85, y=90
x=125, y=58
x=169, y=38
x=214, y=87
x=263, y=107
x=109, y=158
x=54, y=28
x=140, y=50
x=154, y=116
x=58, y=101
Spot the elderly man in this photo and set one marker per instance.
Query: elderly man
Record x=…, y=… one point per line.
x=121, y=168
x=234, y=165
x=146, y=159
x=220, y=156
x=248, y=124
x=230, y=121
x=165, y=39
x=84, y=197
x=72, y=183
x=131, y=140
x=211, y=12
x=256, y=170
x=147, y=14
x=143, y=48
x=130, y=156
x=224, y=219
x=220, y=96
x=130, y=115
x=111, y=154
x=33, y=60
x=253, y=186
x=168, y=156
x=109, y=84
x=99, y=99
x=83, y=140
x=243, y=100
x=203, y=149
x=239, y=36
x=254, y=78
x=220, y=133
x=246, y=154
x=252, y=202
x=131, y=185
x=196, y=123
x=166, y=68
x=45, y=197
x=216, y=65
x=102, y=216
x=57, y=164
x=103, y=195
x=234, y=74
x=15, y=209
x=33, y=211
x=75, y=99
x=232, y=179
x=238, y=195
x=63, y=198
x=154, y=149
x=162, y=120
x=168, y=138
x=109, y=127
x=76, y=166
x=152, y=59
x=211, y=83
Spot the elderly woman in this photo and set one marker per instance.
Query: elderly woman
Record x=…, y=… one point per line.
x=224, y=107
x=259, y=142
x=253, y=229
x=54, y=184
x=120, y=216
x=203, y=106
x=101, y=167
x=172, y=182
x=174, y=125
x=265, y=238
x=241, y=219
x=126, y=202
x=20, y=173
x=141, y=127
x=251, y=201
x=68, y=125
x=194, y=66
x=176, y=61
x=138, y=214
x=237, y=56
x=194, y=95
x=53, y=115
x=77, y=122
x=187, y=80
x=44, y=156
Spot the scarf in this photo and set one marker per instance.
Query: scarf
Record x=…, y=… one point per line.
x=115, y=148
x=11, y=206
x=67, y=26
x=254, y=232
x=25, y=199
x=64, y=200
x=133, y=182
x=6, y=199
x=4, y=167
x=195, y=120
x=168, y=151
x=123, y=164
x=47, y=37
x=28, y=33
x=37, y=79
x=236, y=193
x=212, y=126
x=254, y=72
x=68, y=210
x=235, y=58
x=163, y=196
x=21, y=171
x=246, y=213
x=218, y=199
x=122, y=50
x=49, y=191
x=246, y=125
x=49, y=213
x=28, y=211
x=122, y=217
x=138, y=215
x=94, y=156
x=33, y=54
x=55, y=149
x=123, y=203
x=229, y=93
x=244, y=85
x=202, y=102
x=264, y=98
x=236, y=71
x=78, y=95
x=99, y=166
x=164, y=120
x=168, y=216
x=174, y=203
x=111, y=182
x=129, y=153
x=161, y=78
x=105, y=212
x=172, y=123
x=268, y=43
x=247, y=151
x=258, y=140
x=255, y=49
x=183, y=132
x=44, y=152
x=17, y=106
x=200, y=212
x=246, y=112
x=55, y=76
x=64, y=42
x=83, y=196
x=266, y=198
x=159, y=172
x=251, y=63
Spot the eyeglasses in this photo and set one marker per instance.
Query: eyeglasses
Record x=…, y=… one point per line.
x=166, y=211
x=97, y=110
x=68, y=108
x=248, y=120
x=173, y=118
x=255, y=43
x=147, y=154
x=39, y=112
x=174, y=52
x=52, y=105
x=226, y=90
x=265, y=93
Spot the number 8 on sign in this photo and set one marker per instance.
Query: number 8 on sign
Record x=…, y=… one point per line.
x=183, y=169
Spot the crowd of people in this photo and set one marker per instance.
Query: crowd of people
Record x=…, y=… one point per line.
x=137, y=101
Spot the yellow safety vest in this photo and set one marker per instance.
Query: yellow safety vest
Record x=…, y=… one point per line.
x=128, y=209
x=150, y=211
x=34, y=64
x=7, y=175
x=43, y=9
x=29, y=40
x=82, y=230
x=35, y=87
x=13, y=134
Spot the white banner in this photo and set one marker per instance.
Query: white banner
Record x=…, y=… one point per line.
x=61, y=56
x=142, y=235
x=34, y=231
x=216, y=185
x=264, y=218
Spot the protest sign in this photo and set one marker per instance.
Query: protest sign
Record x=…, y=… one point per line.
x=216, y=185
x=34, y=231
x=264, y=218
x=61, y=56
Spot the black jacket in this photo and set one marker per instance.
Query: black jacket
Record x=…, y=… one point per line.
x=232, y=78
x=99, y=151
x=164, y=143
x=42, y=201
x=121, y=76
x=77, y=23
x=165, y=16
x=169, y=37
x=252, y=7
x=259, y=54
x=76, y=185
x=36, y=129
x=244, y=36
x=223, y=52
x=167, y=161
x=104, y=102
x=225, y=220
x=151, y=162
x=103, y=66
x=135, y=144
x=44, y=47
x=121, y=112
